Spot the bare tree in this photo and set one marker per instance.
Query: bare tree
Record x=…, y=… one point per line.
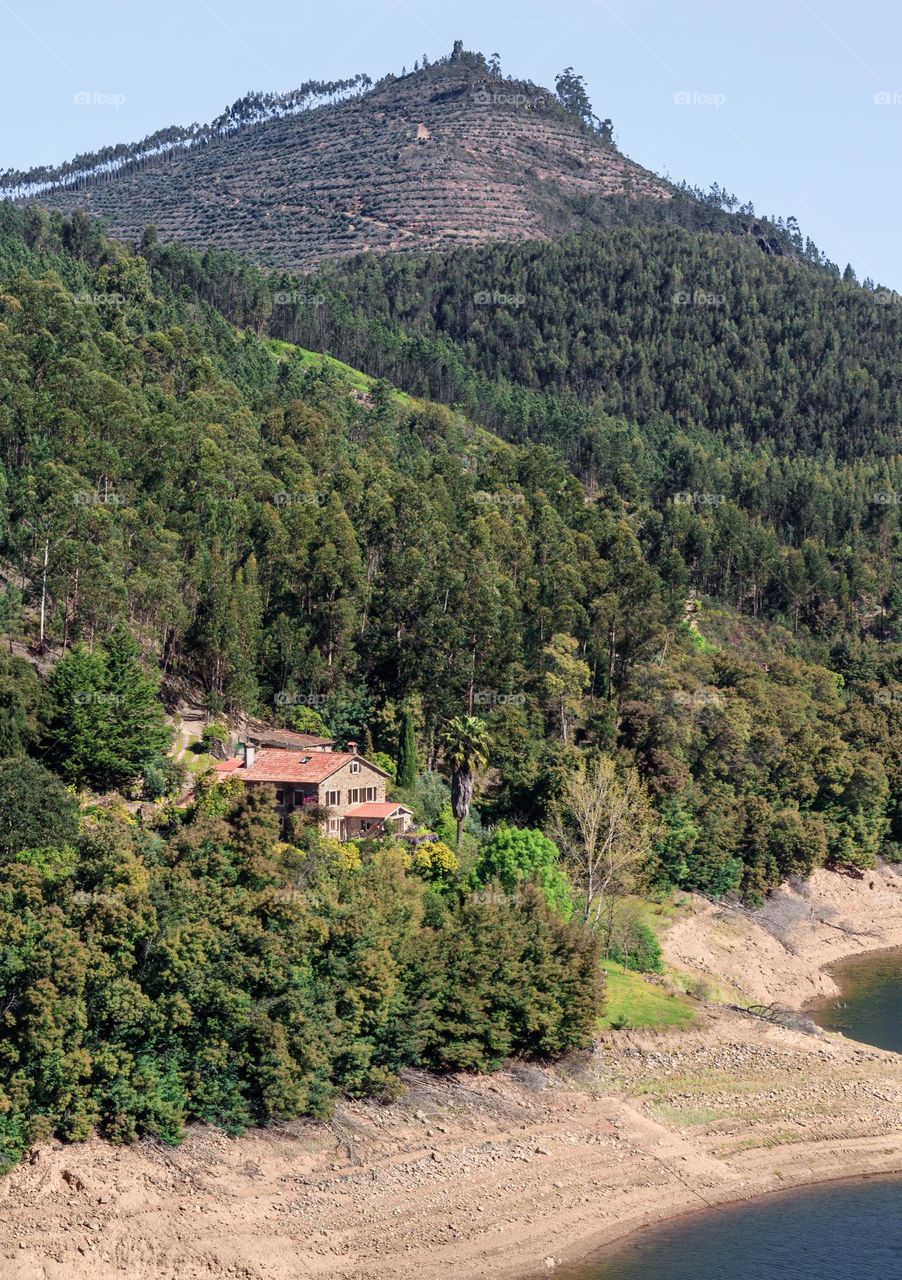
x=605, y=826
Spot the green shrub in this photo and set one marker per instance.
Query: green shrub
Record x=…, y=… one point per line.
x=636, y=947
x=163, y=776
x=214, y=735
x=513, y=855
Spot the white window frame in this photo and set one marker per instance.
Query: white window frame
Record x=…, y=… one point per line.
x=355, y=766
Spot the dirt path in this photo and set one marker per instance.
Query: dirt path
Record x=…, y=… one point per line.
x=472, y=1177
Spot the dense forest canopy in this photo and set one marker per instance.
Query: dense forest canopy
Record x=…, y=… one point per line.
x=723, y=616
x=675, y=330
x=644, y=636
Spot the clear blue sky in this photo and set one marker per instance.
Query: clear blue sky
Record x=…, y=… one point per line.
x=795, y=104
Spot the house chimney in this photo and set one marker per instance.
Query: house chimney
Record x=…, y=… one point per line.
x=250, y=755
x=352, y=747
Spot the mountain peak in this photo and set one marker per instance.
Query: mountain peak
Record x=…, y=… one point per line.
x=451, y=154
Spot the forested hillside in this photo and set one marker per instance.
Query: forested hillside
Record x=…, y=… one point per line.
x=728, y=389
x=676, y=330
x=275, y=534
x=648, y=646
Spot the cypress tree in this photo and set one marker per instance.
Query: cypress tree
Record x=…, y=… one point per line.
x=407, y=753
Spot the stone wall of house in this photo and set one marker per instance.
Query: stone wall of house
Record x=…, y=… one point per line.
x=343, y=781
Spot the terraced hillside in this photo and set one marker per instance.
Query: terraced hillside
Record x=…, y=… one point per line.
x=440, y=158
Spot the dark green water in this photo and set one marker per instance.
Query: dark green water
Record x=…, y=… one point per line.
x=870, y=1007
x=844, y=1231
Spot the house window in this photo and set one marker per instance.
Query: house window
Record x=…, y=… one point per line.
x=333, y=824
x=280, y=797
x=333, y=799
x=354, y=795
x=371, y=793
x=355, y=766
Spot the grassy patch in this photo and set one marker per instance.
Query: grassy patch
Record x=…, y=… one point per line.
x=197, y=762
x=660, y=911
x=634, y=1002
x=346, y=372
x=698, y=640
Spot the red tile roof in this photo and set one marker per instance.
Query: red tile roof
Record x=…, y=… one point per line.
x=275, y=765
x=376, y=809
x=228, y=766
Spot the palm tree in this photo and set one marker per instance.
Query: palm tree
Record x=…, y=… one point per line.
x=466, y=745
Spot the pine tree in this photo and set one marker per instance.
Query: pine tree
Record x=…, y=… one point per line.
x=138, y=729
x=77, y=723
x=106, y=720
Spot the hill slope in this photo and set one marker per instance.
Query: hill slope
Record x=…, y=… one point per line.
x=448, y=156
x=278, y=528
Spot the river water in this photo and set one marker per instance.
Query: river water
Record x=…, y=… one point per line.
x=870, y=1007
x=842, y=1231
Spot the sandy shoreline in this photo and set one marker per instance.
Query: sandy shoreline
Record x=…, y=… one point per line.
x=513, y=1175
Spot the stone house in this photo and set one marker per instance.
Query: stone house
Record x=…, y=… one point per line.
x=350, y=787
